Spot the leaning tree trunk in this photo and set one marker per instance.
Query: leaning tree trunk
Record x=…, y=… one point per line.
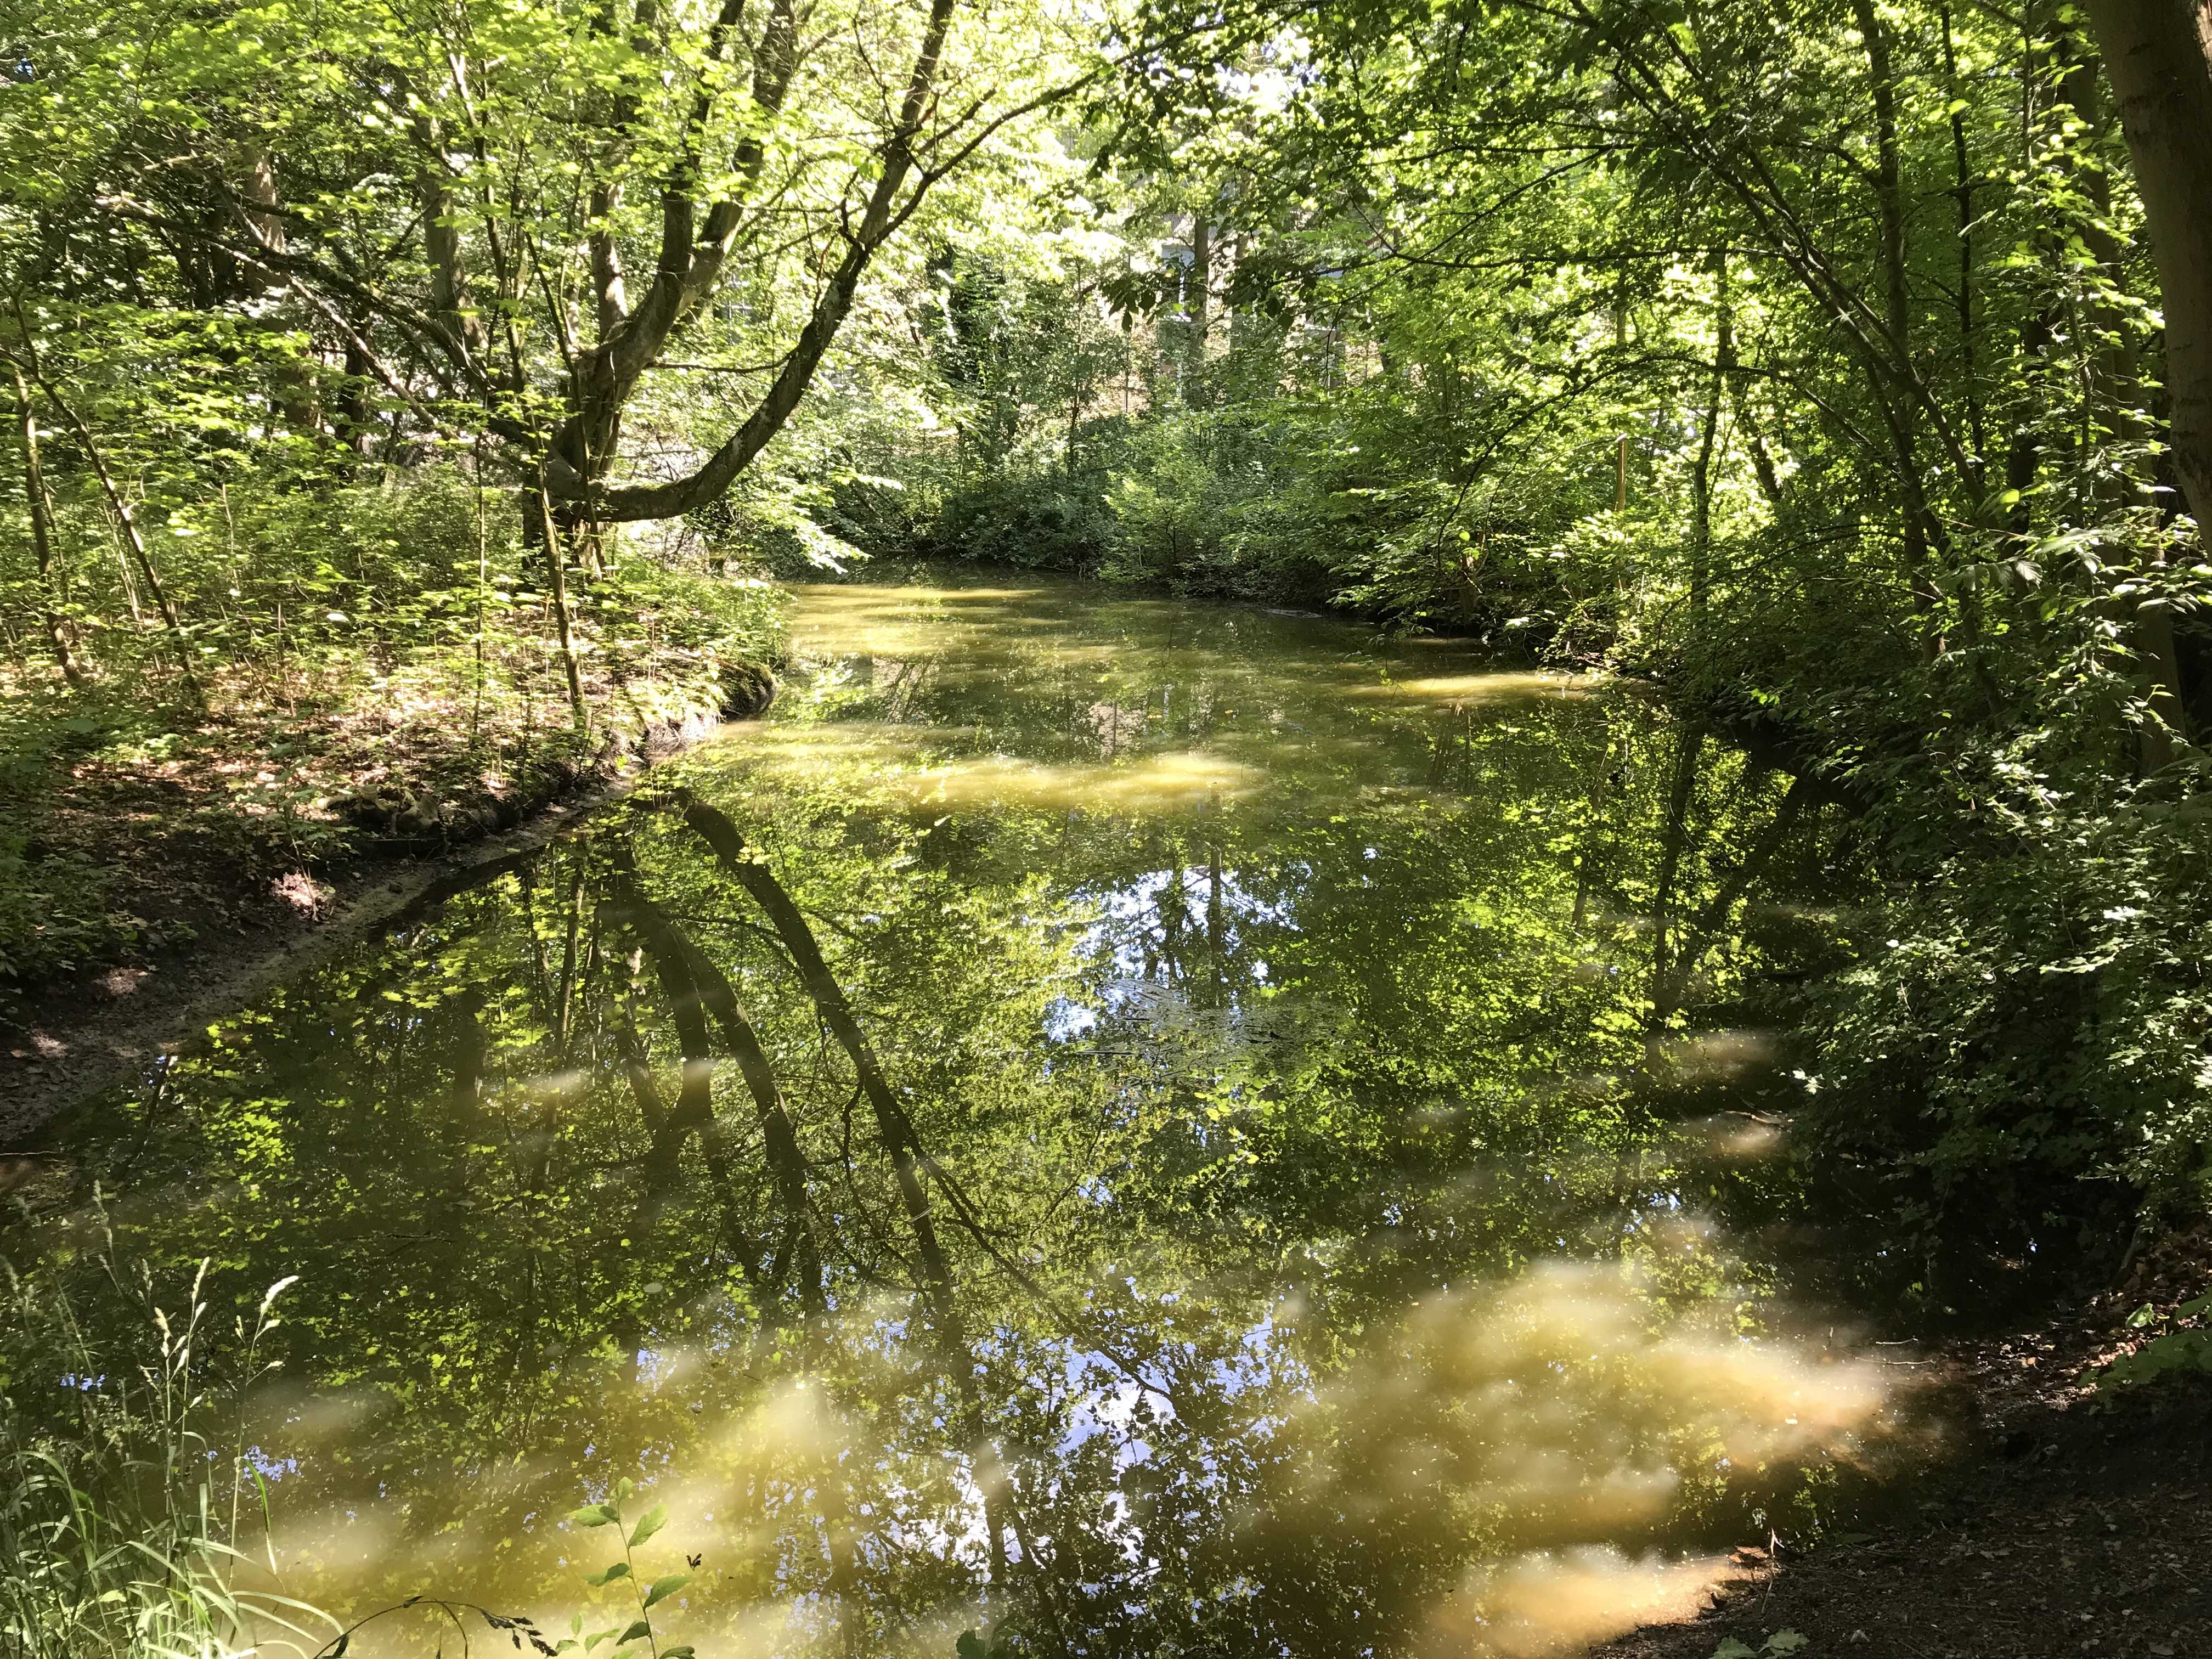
x=119, y=505
x=2158, y=53
x=42, y=540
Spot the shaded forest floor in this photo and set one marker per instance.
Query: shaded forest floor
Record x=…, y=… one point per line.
x=2069, y=1520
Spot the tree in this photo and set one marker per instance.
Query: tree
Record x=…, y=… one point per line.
x=455, y=200
x=2158, y=53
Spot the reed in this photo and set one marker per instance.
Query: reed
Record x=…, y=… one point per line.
x=125, y=1507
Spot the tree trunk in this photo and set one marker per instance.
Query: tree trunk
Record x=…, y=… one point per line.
x=1198, y=295
x=42, y=537
x=546, y=529
x=2158, y=54
x=356, y=405
x=1701, y=475
x=2117, y=392
x=1963, y=190
x=1896, y=300
x=606, y=376
x=119, y=505
x=442, y=241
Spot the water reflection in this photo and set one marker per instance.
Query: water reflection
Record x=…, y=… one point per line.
x=1140, y=1128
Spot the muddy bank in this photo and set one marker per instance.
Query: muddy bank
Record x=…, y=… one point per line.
x=2068, y=1520
x=231, y=925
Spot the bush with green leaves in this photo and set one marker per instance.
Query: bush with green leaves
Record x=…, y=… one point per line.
x=2027, y=1041
x=2180, y=1345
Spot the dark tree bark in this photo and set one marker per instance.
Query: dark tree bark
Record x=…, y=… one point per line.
x=1963, y=190
x=1701, y=474
x=1897, y=297
x=1198, y=309
x=2158, y=54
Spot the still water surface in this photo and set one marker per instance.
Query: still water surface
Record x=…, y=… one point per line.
x=1144, y=1127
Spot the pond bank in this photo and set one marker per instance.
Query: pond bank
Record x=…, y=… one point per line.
x=235, y=909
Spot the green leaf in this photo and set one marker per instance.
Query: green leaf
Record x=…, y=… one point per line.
x=655, y=1519
x=683, y=1652
x=665, y=1587
x=639, y=1628
x=1785, y=1641
x=1733, y=1649
x=620, y=1570
x=594, y=1514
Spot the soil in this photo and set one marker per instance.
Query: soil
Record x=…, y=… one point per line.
x=224, y=929
x=2071, y=1519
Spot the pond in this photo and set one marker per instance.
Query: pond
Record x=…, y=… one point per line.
x=1128, y=1126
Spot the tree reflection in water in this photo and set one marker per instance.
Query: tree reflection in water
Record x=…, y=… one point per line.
x=1264, y=1149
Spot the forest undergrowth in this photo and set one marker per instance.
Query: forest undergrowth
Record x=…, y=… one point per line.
x=385, y=681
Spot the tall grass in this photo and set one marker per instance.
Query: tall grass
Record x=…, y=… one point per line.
x=123, y=1509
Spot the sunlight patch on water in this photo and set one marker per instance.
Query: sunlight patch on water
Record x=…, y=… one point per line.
x=1714, y=1056
x=1154, y=783
x=1582, y=1360
x=1568, y=1411
x=911, y=621
x=908, y=764
x=1484, y=688
x=1549, y=1602
x=1737, y=1136
x=803, y=751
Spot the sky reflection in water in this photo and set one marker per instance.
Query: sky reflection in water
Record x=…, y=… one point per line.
x=1338, y=1081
